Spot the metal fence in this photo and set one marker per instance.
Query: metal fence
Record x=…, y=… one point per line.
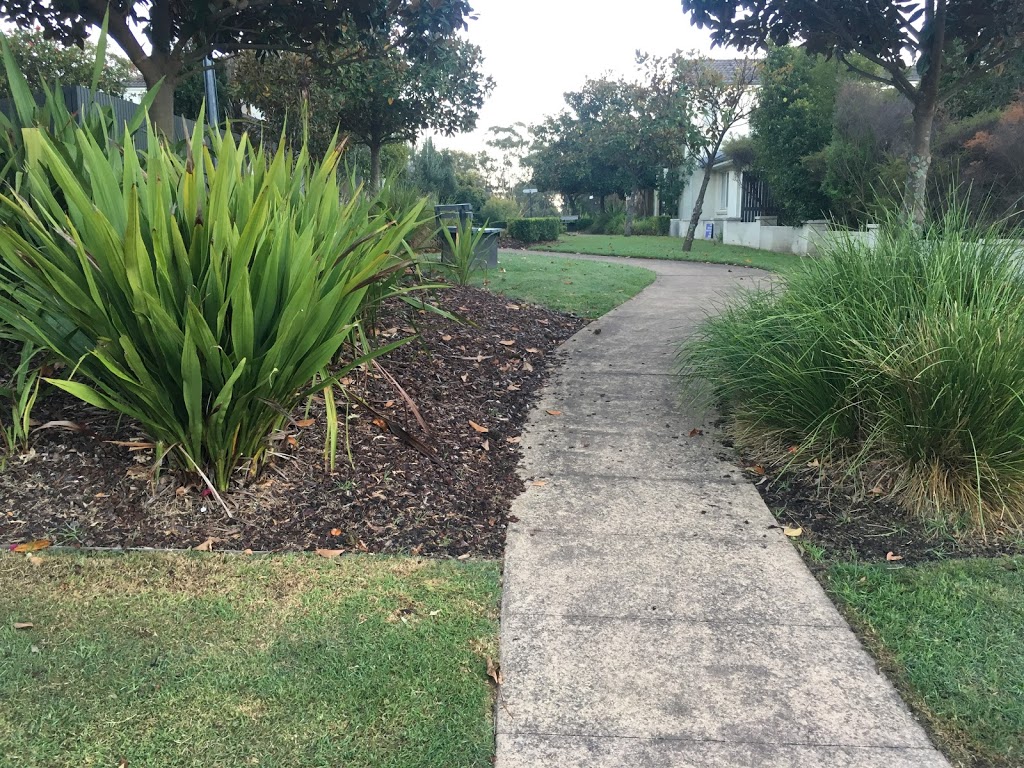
x=757, y=198
x=78, y=97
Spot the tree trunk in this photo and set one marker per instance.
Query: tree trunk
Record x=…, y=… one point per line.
x=915, y=194
x=374, y=183
x=602, y=205
x=630, y=212
x=698, y=206
x=161, y=111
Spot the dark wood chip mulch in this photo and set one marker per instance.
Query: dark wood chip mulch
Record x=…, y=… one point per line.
x=77, y=488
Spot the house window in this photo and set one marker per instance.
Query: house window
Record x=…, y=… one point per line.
x=723, y=201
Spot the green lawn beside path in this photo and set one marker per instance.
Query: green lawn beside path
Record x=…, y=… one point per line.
x=585, y=288
x=207, y=660
x=671, y=248
x=951, y=634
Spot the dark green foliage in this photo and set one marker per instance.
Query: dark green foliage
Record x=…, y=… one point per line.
x=167, y=39
x=46, y=61
x=652, y=225
x=792, y=121
x=535, y=230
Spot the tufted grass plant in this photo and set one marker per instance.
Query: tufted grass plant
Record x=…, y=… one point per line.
x=909, y=355
x=202, y=295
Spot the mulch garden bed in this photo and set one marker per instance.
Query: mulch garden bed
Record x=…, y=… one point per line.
x=442, y=492
x=849, y=522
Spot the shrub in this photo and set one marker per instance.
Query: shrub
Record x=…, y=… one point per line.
x=499, y=210
x=611, y=222
x=200, y=296
x=653, y=226
x=535, y=230
x=903, y=362
x=459, y=257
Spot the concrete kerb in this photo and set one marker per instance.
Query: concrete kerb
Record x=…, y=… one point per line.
x=653, y=612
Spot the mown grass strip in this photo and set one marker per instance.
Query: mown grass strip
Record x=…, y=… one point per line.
x=214, y=660
x=671, y=249
x=951, y=635
x=585, y=288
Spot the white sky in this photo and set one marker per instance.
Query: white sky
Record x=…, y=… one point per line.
x=536, y=50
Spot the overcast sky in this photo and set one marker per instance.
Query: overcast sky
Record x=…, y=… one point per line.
x=536, y=50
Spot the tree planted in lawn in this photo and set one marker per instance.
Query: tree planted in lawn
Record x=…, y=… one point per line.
x=166, y=39
x=45, y=61
x=384, y=100
x=984, y=35
x=718, y=98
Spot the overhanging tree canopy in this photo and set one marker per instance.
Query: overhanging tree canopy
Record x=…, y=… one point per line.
x=889, y=34
x=167, y=38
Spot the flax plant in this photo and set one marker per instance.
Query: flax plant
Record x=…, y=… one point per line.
x=204, y=295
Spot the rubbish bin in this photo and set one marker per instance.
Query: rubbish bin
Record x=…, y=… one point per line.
x=487, y=248
x=486, y=251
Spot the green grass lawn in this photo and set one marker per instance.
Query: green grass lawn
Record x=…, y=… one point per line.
x=952, y=636
x=216, y=660
x=585, y=288
x=671, y=248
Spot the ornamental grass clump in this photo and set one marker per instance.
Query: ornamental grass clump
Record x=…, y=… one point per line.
x=204, y=296
x=903, y=362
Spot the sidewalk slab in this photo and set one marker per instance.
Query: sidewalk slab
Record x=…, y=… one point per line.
x=633, y=678
x=543, y=751
x=714, y=577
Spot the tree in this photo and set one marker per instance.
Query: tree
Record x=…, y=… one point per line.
x=452, y=177
x=718, y=97
x=616, y=138
x=167, y=39
x=42, y=60
x=792, y=122
x=510, y=143
x=385, y=100
x=985, y=33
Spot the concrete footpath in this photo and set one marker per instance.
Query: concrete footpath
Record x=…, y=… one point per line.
x=652, y=613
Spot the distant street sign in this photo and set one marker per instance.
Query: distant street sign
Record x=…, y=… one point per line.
x=709, y=231
x=530, y=191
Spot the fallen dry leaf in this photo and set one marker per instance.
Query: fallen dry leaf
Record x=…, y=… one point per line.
x=380, y=424
x=35, y=562
x=793, y=533
x=303, y=423
x=813, y=464
x=514, y=388
x=446, y=337
x=696, y=432
x=792, y=449
x=527, y=367
x=877, y=490
x=486, y=445
x=494, y=671
x=892, y=557
x=554, y=413
x=512, y=306
x=477, y=428
x=534, y=350
x=31, y=546
x=206, y=546
x=539, y=482
x=246, y=551
x=330, y=554
x=23, y=625
x=464, y=377
x=335, y=531
x=757, y=469
x=507, y=343
x=463, y=557
x=513, y=439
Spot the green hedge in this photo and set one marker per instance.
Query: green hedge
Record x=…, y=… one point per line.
x=535, y=230
x=652, y=225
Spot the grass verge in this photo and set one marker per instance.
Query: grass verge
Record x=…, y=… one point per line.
x=213, y=660
x=671, y=248
x=951, y=635
x=585, y=288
